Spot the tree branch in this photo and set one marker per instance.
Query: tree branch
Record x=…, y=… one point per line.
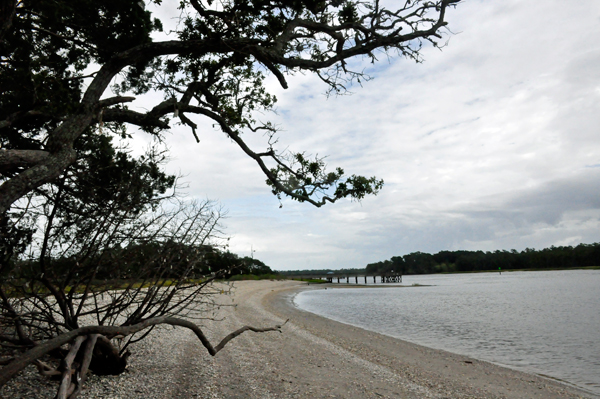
x=256, y=156
x=135, y=118
x=10, y=159
x=107, y=102
x=9, y=371
x=67, y=371
x=377, y=28
x=11, y=118
x=85, y=363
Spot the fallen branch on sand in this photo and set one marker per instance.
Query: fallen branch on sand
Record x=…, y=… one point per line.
x=70, y=387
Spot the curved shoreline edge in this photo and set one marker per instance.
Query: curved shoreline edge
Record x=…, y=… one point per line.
x=313, y=358
x=490, y=379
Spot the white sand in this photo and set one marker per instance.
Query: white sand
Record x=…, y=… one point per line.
x=314, y=357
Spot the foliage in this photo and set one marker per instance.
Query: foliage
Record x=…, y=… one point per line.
x=58, y=59
x=582, y=255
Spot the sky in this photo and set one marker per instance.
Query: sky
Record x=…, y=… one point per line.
x=492, y=143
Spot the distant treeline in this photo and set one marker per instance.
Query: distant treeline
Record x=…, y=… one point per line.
x=135, y=259
x=583, y=255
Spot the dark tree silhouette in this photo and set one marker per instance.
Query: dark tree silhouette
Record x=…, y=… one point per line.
x=214, y=69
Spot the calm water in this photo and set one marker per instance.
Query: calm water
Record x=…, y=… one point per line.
x=541, y=322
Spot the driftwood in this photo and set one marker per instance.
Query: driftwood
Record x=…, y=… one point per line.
x=87, y=357
x=45, y=369
x=66, y=387
x=69, y=389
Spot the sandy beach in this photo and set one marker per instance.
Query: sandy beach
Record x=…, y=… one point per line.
x=313, y=357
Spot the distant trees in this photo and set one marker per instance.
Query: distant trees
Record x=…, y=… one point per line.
x=469, y=261
x=582, y=255
x=254, y=266
x=231, y=264
x=396, y=264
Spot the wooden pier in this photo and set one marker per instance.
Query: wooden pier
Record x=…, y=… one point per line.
x=333, y=278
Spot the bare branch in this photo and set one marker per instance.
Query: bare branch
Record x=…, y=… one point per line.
x=107, y=102
x=10, y=159
x=67, y=371
x=46, y=369
x=87, y=357
x=147, y=120
x=43, y=348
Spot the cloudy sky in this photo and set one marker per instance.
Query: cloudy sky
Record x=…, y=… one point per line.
x=492, y=143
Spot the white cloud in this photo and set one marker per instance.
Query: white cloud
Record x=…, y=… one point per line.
x=490, y=144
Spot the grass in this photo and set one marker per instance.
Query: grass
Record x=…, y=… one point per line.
x=99, y=286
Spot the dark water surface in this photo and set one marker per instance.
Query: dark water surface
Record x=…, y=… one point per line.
x=541, y=322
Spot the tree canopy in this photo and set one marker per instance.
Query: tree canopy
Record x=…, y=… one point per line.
x=68, y=70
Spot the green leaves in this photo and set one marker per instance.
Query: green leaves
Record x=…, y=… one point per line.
x=106, y=175
x=357, y=187
x=307, y=180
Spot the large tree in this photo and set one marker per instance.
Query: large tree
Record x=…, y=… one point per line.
x=58, y=59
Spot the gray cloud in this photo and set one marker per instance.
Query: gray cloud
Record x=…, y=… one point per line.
x=490, y=144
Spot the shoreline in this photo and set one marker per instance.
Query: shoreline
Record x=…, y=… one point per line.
x=381, y=286
x=430, y=360
x=313, y=357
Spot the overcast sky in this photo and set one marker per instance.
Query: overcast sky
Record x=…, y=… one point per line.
x=492, y=143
